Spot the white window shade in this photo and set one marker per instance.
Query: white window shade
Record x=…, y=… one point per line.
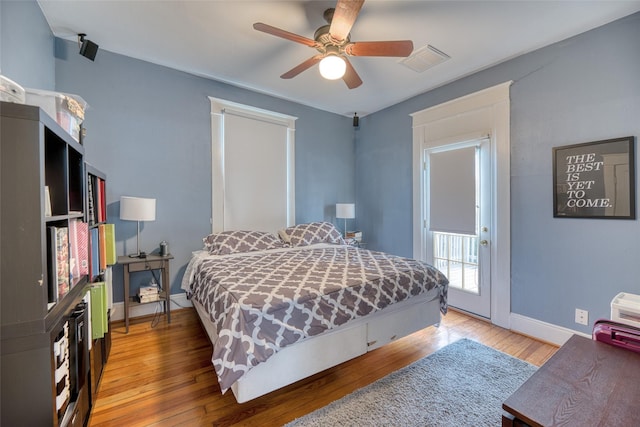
x=255, y=174
x=452, y=191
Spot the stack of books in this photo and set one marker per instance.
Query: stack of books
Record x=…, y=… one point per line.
x=355, y=235
x=149, y=293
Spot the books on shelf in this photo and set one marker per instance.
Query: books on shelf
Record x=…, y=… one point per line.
x=62, y=260
x=96, y=200
x=356, y=235
x=82, y=240
x=149, y=293
x=102, y=199
x=47, y=201
x=59, y=274
x=102, y=248
x=149, y=298
x=106, y=234
x=98, y=310
x=148, y=290
x=78, y=249
x=102, y=241
x=110, y=237
x=90, y=201
x=94, y=260
x=62, y=363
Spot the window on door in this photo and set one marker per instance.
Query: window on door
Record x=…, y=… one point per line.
x=454, y=190
x=456, y=255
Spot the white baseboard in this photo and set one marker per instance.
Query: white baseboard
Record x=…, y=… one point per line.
x=177, y=301
x=543, y=331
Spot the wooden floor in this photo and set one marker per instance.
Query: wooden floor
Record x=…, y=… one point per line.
x=162, y=375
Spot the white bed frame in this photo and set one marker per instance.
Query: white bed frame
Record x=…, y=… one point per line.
x=329, y=349
x=326, y=350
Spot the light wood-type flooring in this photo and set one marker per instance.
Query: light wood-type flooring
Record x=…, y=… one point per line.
x=162, y=375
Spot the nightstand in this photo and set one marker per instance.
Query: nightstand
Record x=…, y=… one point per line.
x=151, y=262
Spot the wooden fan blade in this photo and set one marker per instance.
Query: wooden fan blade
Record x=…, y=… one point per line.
x=301, y=67
x=343, y=18
x=388, y=48
x=265, y=28
x=351, y=77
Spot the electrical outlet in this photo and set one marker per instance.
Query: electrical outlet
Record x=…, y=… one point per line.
x=582, y=316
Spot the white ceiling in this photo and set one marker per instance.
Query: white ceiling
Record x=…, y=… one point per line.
x=215, y=39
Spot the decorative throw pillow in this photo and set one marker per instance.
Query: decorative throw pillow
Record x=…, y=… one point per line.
x=314, y=232
x=231, y=242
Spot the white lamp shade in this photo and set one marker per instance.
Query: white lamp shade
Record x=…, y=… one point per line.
x=345, y=210
x=137, y=209
x=332, y=67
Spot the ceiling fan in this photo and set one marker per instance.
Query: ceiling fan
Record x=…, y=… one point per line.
x=333, y=44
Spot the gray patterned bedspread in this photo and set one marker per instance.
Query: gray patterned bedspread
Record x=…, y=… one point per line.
x=262, y=302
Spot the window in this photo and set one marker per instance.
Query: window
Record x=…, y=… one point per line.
x=456, y=255
x=252, y=168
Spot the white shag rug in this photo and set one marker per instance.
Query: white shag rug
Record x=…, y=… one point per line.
x=462, y=384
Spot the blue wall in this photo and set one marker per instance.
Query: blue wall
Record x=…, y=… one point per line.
x=149, y=130
x=579, y=90
x=26, y=45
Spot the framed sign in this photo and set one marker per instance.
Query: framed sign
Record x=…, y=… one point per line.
x=595, y=180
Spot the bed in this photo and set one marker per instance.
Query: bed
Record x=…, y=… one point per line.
x=281, y=307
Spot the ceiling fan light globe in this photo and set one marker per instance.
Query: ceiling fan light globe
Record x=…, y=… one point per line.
x=332, y=67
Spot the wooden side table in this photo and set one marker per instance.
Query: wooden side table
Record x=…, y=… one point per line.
x=151, y=262
x=585, y=383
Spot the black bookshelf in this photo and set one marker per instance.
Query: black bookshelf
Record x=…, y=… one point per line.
x=43, y=189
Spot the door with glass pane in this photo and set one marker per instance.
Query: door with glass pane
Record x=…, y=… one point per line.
x=458, y=217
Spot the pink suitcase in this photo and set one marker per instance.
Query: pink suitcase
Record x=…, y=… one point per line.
x=617, y=334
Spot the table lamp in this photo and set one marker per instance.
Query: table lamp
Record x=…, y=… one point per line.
x=346, y=211
x=137, y=209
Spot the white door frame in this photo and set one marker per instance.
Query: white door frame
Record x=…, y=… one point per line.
x=482, y=113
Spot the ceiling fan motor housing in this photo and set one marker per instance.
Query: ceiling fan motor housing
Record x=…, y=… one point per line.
x=325, y=40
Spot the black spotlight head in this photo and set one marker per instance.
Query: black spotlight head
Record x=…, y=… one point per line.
x=88, y=49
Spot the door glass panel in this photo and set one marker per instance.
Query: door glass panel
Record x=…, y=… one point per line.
x=456, y=255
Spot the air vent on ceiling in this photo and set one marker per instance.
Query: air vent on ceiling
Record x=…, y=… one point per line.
x=424, y=58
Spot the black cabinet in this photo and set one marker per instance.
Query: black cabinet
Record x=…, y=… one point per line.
x=45, y=359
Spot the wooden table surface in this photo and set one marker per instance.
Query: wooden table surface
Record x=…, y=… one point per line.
x=585, y=383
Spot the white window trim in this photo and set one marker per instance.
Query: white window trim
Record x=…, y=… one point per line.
x=218, y=109
x=486, y=111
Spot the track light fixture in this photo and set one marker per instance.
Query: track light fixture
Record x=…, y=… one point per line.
x=88, y=49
